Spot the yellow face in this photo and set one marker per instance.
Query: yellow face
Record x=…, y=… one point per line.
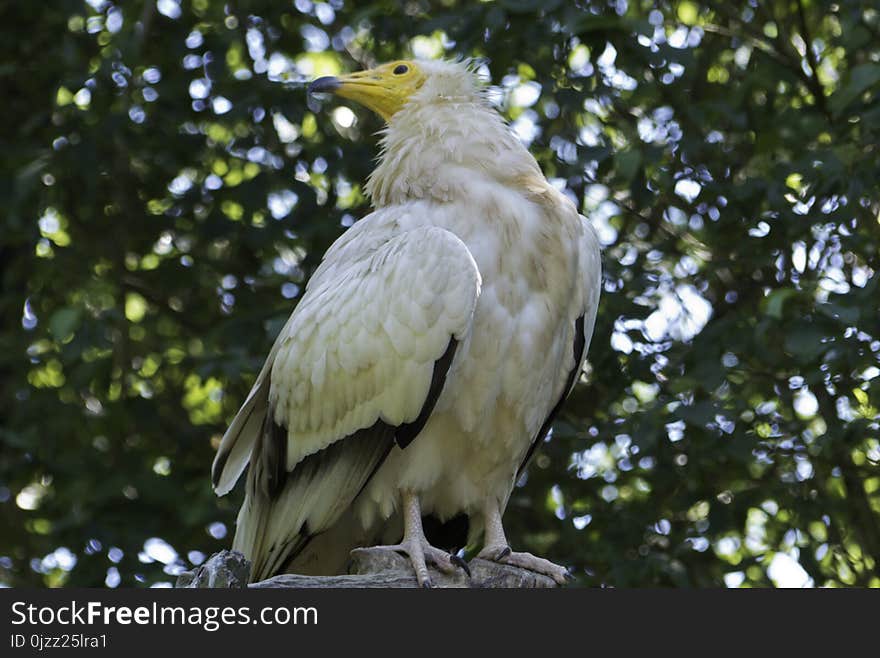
x=384, y=89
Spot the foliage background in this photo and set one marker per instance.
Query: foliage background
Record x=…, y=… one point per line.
x=167, y=190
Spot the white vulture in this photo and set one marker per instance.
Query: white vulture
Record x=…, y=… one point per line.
x=432, y=347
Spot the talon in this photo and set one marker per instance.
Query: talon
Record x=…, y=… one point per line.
x=569, y=576
x=460, y=563
x=496, y=549
x=420, y=552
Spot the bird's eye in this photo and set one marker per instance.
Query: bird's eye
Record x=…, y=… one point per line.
x=401, y=69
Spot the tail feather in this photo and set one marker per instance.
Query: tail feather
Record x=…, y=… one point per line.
x=273, y=530
x=239, y=441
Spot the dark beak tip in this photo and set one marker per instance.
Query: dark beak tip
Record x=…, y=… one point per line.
x=326, y=85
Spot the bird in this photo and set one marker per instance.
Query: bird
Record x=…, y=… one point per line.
x=431, y=350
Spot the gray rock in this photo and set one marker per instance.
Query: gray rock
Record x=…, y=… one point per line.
x=369, y=568
x=226, y=569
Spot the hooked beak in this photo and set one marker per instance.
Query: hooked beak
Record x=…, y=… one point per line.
x=326, y=85
x=379, y=89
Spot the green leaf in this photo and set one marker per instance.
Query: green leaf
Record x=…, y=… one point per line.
x=848, y=315
x=804, y=343
x=861, y=78
x=64, y=323
x=688, y=13
x=774, y=302
x=526, y=6
x=699, y=414
x=627, y=164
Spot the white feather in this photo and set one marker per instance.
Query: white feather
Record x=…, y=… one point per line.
x=460, y=204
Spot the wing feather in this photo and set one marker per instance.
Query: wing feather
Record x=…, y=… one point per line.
x=325, y=386
x=360, y=364
x=238, y=441
x=590, y=286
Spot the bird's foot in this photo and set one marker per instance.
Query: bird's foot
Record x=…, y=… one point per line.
x=421, y=553
x=503, y=555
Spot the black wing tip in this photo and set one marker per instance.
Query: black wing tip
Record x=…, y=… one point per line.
x=377, y=440
x=407, y=432
x=580, y=342
x=217, y=467
x=276, y=457
x=380, y=439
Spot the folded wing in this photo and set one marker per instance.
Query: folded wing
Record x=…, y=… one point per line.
x=356, y=370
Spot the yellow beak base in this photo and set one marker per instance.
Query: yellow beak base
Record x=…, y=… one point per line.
x=384, y=89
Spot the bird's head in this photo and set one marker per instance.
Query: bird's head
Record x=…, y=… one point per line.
x=387, y=88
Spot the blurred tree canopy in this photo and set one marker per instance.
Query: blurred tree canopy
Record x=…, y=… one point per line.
x=168, y=189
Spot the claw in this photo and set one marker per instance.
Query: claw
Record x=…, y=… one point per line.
x=421, y=553
x=460, y=563
x=504, y=555
x=496, y=549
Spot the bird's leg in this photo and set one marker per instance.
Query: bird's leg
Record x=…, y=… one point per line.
x=416, y=546
x=496, y=549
